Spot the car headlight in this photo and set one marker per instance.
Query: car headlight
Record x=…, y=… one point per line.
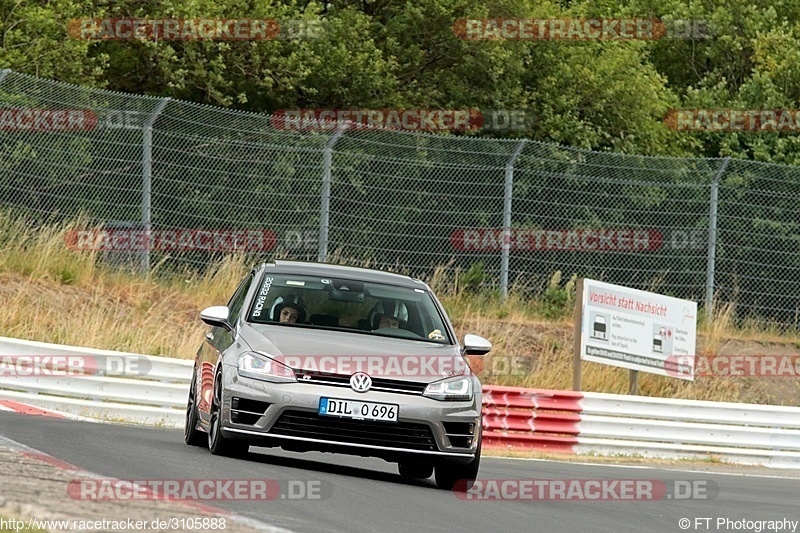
x=253, y=365
x=459, y=388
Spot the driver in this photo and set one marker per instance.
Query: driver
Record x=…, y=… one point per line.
x=289, y=309
x=289, y=315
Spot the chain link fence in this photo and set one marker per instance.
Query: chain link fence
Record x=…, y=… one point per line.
x=179, y=184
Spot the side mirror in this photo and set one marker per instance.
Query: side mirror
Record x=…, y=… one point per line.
x=476, y=345
x=216, y=315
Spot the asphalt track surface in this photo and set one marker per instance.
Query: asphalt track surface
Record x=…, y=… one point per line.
x=367, y=495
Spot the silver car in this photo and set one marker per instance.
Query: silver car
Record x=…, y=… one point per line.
x=329, y=358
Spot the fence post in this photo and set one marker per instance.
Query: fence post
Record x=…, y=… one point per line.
x=507, y=196
x=712, y=236
x=147, y=178
x=3, y=73
x=325, y=204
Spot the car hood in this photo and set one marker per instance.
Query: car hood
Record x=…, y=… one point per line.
x=338, y=352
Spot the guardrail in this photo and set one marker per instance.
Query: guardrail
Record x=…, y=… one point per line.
x=667, y=427
x=610, y=424
x=513, y=418
x=545, y=420
x=153, y=390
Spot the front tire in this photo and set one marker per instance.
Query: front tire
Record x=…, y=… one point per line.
x=191, y=435
x=218, y=444
x=456, y=476
x=415, y=470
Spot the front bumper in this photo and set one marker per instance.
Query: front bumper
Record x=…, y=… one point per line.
x=285, y=414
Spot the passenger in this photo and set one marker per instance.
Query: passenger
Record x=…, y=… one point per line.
x=387, y=321
x=393, y=314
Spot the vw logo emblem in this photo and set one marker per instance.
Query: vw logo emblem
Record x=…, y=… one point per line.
x=360, y=382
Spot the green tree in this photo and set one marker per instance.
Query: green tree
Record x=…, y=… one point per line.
x=35, y=42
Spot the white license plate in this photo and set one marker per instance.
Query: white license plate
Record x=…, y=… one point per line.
x=385, y=412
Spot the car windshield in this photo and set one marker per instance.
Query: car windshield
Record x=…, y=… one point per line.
x=348, y=305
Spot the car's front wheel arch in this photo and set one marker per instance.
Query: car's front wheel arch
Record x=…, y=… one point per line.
x=218, y=444
x=191, y=435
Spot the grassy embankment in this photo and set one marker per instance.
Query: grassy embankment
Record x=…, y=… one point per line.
x=53, y=294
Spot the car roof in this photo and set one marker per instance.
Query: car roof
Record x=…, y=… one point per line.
x=342, y=271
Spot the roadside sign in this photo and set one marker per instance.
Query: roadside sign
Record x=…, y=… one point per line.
x=638, y=330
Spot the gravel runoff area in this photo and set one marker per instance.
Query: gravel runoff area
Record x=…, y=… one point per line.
x=34, y=486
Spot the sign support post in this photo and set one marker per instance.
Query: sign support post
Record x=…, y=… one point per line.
x=577, y=318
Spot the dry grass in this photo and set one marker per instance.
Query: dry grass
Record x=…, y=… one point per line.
x=54, y=294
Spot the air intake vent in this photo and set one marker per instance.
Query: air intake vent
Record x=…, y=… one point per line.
x=246, y=411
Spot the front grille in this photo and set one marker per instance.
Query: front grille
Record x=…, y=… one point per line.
x=246, y=411
x=405, y=435
x=378, y=384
